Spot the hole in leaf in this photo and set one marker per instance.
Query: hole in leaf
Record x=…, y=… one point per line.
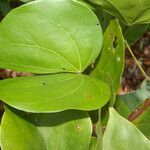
x=97, y=24
x=115, y=42
x=44, y=83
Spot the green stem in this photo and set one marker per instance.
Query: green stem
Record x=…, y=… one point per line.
x=99, y=132
x=136, y=61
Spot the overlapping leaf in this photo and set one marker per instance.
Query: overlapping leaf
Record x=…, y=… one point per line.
x=57, y=92
x=50, y=36
x=111, y=61
x=133, y=33
x=120, y=134
x=122, y=108
x=128, y=11
x=66, y=130
x=128, y=103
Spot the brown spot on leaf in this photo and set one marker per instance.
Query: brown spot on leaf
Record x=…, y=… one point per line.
x=111, y=36
x=89, y=96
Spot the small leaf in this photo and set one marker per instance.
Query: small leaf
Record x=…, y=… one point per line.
x=111, y=61
x=50, y=36
x=57, y=92
x=120, y=134
x=133, y=33
x=128, y=11
x=66, y=130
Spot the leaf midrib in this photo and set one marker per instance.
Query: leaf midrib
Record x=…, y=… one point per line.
x=74, y=90
x=48, y=50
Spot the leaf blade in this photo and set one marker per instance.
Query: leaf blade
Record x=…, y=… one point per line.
x=137, y=13
x=67, y=39
x=112, y=56
x=36, y=130
x=56, y=92
x=124, y=134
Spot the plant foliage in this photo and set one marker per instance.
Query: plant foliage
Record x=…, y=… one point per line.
x=74, y=50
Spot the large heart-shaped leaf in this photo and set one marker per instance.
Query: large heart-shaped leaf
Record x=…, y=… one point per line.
x=48, y=36
x=111, y=61
x=128, y=11
x=120, y=134
x=54, y=92
x=66, y=130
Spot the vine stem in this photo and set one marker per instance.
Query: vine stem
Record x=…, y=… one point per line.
x=136, y=61
x=99, y=132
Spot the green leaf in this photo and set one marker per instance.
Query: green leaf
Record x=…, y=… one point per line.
x=128, y=103
x=89, y=4
x=57, y=92
x=94, y=116
x=50, y=36
x=137, y=97
x=66, y=130
x=122, y=108
x=4, y=6
x=128, y=11
x=120, y=134
x=111, y=61
x=133, y=33
x=143, y=122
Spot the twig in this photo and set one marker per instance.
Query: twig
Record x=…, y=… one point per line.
x=99, y=132
x=136, y=61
